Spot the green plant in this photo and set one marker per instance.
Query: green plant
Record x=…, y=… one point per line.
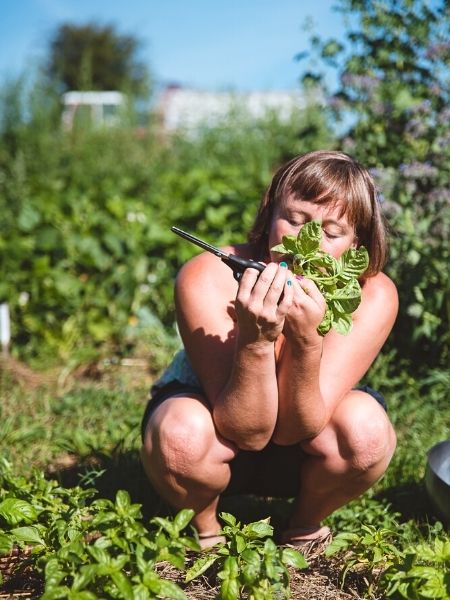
x=86, y=548
x=250, y=562
x=365, y=510
x=371, y=549
x=423, y=573
x=337, y=279
x=393, y=94
x=87, y=257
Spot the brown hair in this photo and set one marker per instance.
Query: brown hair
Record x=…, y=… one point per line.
x=334, y=178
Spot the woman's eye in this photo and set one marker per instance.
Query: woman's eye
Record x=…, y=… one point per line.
x=295, y=222
x=330, y=236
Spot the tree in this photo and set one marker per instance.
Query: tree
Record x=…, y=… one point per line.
x=394, y=82
x=95, y=57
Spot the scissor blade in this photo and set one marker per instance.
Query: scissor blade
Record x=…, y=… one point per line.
x=201, y=243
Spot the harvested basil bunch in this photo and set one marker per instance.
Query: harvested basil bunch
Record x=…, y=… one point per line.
x=336, y=278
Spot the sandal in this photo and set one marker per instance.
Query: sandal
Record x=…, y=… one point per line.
x=208, y=541
x=310, y=541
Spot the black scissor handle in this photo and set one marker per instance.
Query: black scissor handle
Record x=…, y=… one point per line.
x=238, y=265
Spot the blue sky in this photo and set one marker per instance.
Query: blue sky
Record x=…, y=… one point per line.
x=226, y=44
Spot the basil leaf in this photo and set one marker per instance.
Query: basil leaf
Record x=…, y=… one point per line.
x=15, y=511
x=348, y=298
x=290, y=243
x=309, y=238
x=354, y=262
x=343, y=324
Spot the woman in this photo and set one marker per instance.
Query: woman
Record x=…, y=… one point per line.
x=259, y=402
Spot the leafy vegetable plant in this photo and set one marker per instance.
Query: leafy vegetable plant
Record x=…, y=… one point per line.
x=88, y=549
x=371, y=549
x=250, y=562
x=336, y=278
x=424, y=572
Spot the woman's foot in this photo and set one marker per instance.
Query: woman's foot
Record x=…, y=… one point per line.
x=208, y=541
x=309, y=540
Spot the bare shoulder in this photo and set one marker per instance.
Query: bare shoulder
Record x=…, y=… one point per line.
x=206, y=272
x=380, y=291
x=205, y=290
x=379, y=298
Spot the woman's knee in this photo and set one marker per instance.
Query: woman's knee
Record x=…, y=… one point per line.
x=181, y=435
x=359, y=433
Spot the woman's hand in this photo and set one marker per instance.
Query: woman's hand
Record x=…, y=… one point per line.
x=263, y=302
x=306, y=312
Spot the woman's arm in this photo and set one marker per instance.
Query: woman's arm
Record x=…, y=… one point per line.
x=315, y=373
x=234, y=359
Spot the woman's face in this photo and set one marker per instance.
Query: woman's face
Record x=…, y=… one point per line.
x=289, y=217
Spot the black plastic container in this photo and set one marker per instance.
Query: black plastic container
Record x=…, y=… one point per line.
x=437, y=479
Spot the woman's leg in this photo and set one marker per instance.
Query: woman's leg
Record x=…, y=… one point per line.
x=186, y=460
x=344, y=460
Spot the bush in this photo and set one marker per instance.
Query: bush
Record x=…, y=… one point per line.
x=86, y=216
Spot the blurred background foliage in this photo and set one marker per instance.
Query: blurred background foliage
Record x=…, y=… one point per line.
x=86, y=253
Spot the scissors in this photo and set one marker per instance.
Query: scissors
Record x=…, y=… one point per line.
x=236, y=263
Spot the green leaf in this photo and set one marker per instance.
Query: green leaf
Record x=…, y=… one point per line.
x=309, y=238
x=340, y=542
x=289, y=243
x=259, y=529
x=176, y=556
x=343, y=324
x=190, y=543
x=30, y=535
x=54, y=573
x=230, y=568
x=165, y=524
x=169, y=589
x=270, y=567
x=123, y=584
x=240, y=542
x=201, y=565
x=28, y=218
x=15, y=511
x=354, y=262
x=58, y=593
x=348, y=298
x=85, y=576
x=6, y=543
x=326, y=322
x=229, y=589
x=293, y=558
x=280, y=248
x=251, y=566
x=140, y=592
x=337, y=279
x=270, y=547
x=183, y=518
x=123, y=502
x=229, y=519
x=99, y=554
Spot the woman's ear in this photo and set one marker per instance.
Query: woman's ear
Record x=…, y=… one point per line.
x=354, y=243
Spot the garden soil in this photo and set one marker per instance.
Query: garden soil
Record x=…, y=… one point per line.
x=319, y=582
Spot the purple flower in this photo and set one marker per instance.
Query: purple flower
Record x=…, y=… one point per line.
x=363, y=83
x=417, y=170
x=438, y=50
x=336, y=102
x=444, y=117
x=416, y=128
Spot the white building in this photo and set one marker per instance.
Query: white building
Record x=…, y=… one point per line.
x=179, y=107
x=101, y=108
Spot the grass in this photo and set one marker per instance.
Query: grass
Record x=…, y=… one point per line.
x=86, y=431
